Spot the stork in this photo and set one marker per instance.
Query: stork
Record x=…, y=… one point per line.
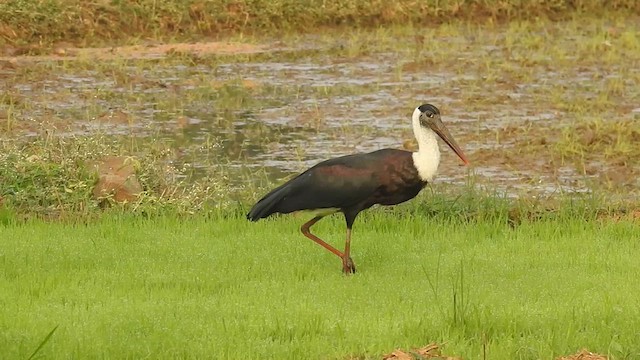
x=353, y=183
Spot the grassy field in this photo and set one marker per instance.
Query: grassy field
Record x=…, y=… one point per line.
x=222, y=287
x=49, y=21
x=531, y=253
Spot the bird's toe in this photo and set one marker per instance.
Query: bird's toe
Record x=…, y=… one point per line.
x=348, y=267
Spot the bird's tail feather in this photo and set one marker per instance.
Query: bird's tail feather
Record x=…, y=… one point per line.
x=266, y=205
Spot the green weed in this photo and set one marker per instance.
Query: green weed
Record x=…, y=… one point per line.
x=603, y=138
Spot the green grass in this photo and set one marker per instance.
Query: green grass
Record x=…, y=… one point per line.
x=226, y=288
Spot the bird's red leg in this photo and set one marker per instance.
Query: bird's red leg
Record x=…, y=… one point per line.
x=348, y=267
x=306, y=232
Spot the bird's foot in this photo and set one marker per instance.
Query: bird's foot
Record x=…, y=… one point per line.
x=348, y=267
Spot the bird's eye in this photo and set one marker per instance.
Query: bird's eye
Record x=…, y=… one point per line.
x=430, y=115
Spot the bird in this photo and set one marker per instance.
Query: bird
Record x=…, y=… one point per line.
x=352, y=183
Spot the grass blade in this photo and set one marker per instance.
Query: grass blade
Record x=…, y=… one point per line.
x=44, y=341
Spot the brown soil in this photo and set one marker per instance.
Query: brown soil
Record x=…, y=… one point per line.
x=583, y=355
x=621, y=215
x=431, y=351
x=14, y=55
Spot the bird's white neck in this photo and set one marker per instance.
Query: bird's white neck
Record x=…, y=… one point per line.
x=427, y=158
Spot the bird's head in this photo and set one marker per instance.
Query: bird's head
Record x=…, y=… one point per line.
x=428, y=116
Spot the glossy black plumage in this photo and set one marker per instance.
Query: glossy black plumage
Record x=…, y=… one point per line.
x=350, y=183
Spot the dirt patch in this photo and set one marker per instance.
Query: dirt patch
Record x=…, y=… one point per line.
x=431, y=351
x=620, y=215
x=584, y=355
x=16, y=55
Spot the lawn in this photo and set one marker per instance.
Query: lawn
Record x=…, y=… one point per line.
x=222, y=287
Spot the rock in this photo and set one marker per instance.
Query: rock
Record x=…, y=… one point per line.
x=116, y=179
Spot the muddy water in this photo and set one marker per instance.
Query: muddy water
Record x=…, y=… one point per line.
x=285, y=109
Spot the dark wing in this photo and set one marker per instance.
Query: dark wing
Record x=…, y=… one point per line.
x=337, y=183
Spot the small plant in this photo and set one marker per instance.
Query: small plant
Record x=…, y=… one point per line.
x=459, y=300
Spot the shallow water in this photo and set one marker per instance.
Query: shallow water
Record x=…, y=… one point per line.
x=317, y=99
